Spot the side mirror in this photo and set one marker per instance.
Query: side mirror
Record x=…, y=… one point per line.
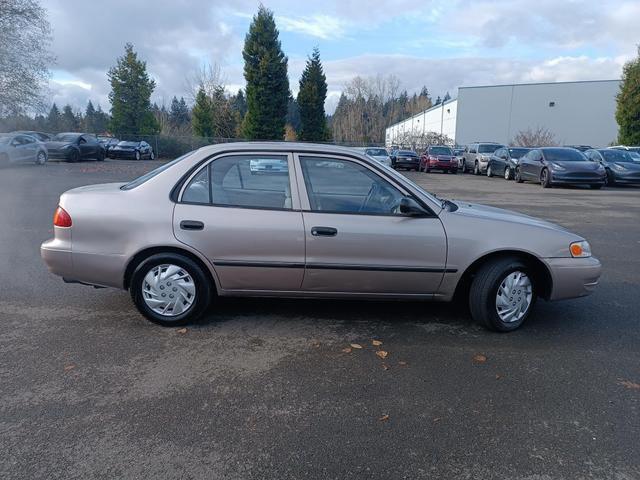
x=411, y=208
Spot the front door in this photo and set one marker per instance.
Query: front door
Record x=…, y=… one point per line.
x=239, y=212
x=357, y=241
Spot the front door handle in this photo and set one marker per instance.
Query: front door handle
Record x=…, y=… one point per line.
x=324, y=231
x=191, y=225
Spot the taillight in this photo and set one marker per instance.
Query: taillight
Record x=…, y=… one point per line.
x=61, y=218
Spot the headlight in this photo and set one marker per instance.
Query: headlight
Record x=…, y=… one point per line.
x=617, y=166
x=580, y=249
x=557, y=167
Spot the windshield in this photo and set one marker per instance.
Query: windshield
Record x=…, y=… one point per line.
x=635, y=156
x=564, y=155
x=440, y=151
x=128, y=144
x=518, y=152
x=148, y=176
x=376, y=152
x=616, y=156
x=488, y=147
x=66, y=137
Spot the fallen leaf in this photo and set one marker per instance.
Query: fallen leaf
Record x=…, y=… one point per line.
x=355, y=345
x=376, y=343
x=498, y=376
x=384, y=418
x=315, y=344
x=629, y=384
x=437, y=419
x=181, y=331
x=346, y=350
x=385, y=366
x=69, y=367
x=402, y=363
x=479, y=358
x=382, y=353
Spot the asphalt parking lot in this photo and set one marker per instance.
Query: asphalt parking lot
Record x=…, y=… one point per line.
x=263, y=388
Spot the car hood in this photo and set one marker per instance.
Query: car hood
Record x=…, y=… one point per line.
x=579, y=166
x=56, y=145
x=628, y=165
x=492, y=213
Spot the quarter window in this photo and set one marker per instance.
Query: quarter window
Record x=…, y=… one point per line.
x=342, y=186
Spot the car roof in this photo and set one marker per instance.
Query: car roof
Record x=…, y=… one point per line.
x=278, y=147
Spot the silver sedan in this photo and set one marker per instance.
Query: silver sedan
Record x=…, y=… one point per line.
x=19, y=147
x=328, y=222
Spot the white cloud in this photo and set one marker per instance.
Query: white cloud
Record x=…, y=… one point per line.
x=319, y=26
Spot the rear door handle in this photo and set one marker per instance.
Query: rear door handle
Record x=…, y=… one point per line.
x=324, y=231
x=191, y=225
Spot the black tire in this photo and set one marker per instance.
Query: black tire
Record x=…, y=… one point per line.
x=596, y=186
x=41, y=158
x=152, y=156
x=476, y=168
x=545, y=178
x=204, y=289
x=454, y=171
x=484, y=289
x=610, y=179
x=489, y=172
x=74, y=156
x=137, y=155
x=518, y=177
x=507, y=173
x=464, y=166
x=100, y=156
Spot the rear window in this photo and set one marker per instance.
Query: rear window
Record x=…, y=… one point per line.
x=440, y=151
x=564, y=155
x=489, y=147
x=406, y=153
x=148, y=176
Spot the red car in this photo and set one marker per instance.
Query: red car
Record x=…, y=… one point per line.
x=438, y=157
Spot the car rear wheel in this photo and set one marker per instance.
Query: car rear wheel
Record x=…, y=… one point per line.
x=74, y=156
x=152, y=156
x=545, y=179
x=476, y=168
x=489, y=172
x=518, y=176
x=137, y=155
x=502, y=294
x=170, y=289
x=41, y=158
x=507, y=173
x=100, y=156
x=609, y=179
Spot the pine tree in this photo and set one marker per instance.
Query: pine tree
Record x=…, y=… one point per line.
x=90, y=118
x=265, y=71
x=131, y=90
x=628, y=104
x=202, y=115
x=311, y=98
x=438, y=101
x=178, y=112
x=446, y=98
x=54, y=119
x=68, y=119
x=240, y=103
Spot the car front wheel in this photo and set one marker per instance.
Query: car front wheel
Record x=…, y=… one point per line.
x=507, y=173
x=502, y=295
x=545, y=179
x=41, y=158
x=170, y=289
x=489, y=172
x=518, y=176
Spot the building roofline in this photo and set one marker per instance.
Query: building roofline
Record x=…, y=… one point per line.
x=415, y=115
x=539, y=83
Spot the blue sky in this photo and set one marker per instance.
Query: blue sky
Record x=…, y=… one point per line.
x=440, y=44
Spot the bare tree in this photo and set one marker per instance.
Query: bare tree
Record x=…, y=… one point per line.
x=210, y=77
x=535, y=137
x=25, y=36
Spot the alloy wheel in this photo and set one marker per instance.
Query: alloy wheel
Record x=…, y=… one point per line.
x=168, y=290
x=489, y=174
x=507, y=173
x=514, y=297
x=41, y=158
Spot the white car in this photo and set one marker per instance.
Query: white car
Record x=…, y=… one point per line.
x=379, y=155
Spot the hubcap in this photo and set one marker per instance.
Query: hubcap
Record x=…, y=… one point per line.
x=41, y=157
x=507, y=173
x=168, y=290
x=514, y=297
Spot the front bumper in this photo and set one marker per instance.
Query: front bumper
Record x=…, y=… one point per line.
x=407, y=163
x=577, y=178
x=124, y=154
x=573, y=277
x=626, y=178
x=444, y=166
x=59, y=154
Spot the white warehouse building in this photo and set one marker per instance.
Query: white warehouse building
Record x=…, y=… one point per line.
x=577, y=113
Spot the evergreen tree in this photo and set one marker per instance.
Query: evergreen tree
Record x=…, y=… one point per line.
x=265, y=70
x=311, y=98
x=293, y=115
x=68, y=120
x=239, y=103
x=628, y=104
x=100, y=121
x=438, y=101
x=89, y=118
x=179, y=112
x=54, y=119
x=202, y=115
x=131, y=89
x=446, y=98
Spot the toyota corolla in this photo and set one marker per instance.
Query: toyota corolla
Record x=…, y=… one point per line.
x=327, y=222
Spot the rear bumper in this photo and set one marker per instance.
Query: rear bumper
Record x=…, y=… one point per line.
x=573, y=277
x=57, y=257
x=407, y=163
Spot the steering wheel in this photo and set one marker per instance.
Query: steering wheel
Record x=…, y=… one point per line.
x=372, y=192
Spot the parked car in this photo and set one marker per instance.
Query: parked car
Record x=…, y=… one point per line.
x=74, y=147
x=407, y=159
x=202, y=226
x=107, y=143
x=40, y=136
x=459, y=154
x=132, y=150
x=628, y=149
x=438, y=157
x=551, y=166
x=476, y=156
x=393, y=151
x=620, y=165
x=268, y=166
x=504, y=161
x=378, y=154
x=18, y=147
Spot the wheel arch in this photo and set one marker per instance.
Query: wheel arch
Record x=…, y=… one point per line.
x=147, y=252
x=542, y=275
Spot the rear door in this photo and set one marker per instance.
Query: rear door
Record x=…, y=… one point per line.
x=356, y=239
x=248, y=224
